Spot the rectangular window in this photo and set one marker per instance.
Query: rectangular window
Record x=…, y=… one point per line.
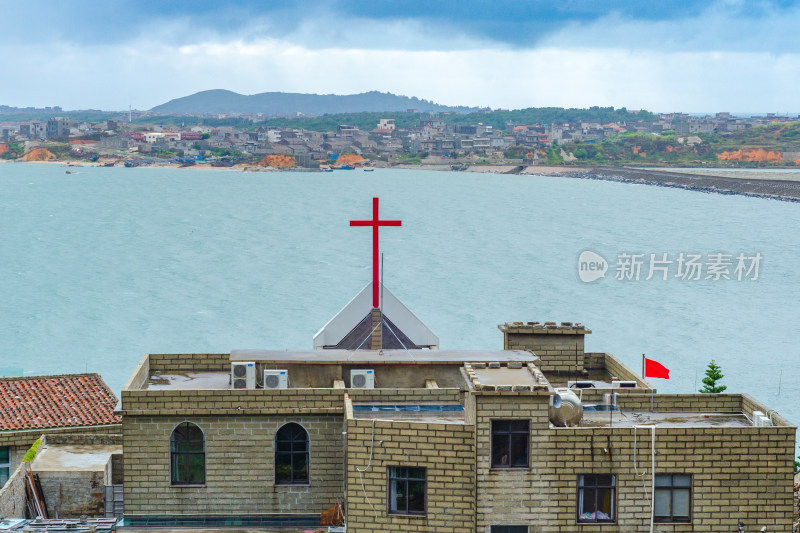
x=596, y=498
x=5, y=464
x=407, y=490
x=510, y=440
x=673, y=501
x=509, y=529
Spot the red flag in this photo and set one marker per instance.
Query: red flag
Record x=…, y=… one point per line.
x=654, y=369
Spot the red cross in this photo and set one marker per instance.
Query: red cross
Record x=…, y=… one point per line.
x=375, y=223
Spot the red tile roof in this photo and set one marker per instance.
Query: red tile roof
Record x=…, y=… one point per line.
x=44, y=402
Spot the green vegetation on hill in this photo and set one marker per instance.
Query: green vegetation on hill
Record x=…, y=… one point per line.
x=669, y=149
x=403, y=119
x=15, y=150
x=551, y=115
x=634, y=148
x=178, y=121
x=78, y=116
x=363, y=121
x=782, y=136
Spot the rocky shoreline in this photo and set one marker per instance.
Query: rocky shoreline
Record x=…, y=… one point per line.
x=755, y=184
x=784, y=190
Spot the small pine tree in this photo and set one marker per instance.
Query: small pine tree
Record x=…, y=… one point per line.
x=713, y=375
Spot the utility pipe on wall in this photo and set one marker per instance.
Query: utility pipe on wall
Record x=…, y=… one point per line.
x=652, y=468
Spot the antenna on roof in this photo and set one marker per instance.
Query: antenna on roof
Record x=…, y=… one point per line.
x=380, y=307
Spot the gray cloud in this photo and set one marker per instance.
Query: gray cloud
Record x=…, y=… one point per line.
x=729, y=55
x=727, y=24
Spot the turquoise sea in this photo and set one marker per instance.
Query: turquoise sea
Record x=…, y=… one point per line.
x=102, y=266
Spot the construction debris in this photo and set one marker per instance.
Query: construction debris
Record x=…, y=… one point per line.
x=71, y=525
x=34, y=493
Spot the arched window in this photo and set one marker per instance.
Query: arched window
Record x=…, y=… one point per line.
x=188, y=455
x=291, y=455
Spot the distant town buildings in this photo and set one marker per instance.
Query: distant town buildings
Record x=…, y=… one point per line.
x=433, y=135
x=57, y=128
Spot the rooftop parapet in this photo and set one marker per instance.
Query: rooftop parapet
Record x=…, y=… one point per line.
x=560, y=347
x=514, y=376
x=391, y=357
x=316, y=369
x=546, y=328
x=681, y=410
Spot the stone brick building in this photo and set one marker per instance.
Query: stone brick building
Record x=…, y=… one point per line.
x=538, y=437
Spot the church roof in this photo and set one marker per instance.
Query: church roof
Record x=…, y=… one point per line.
x=401, y=320
x=392, y=337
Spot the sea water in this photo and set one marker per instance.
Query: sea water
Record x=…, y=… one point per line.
x=106, y=264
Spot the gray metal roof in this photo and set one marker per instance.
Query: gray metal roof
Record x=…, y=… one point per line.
x=384, y=357
x=353, y=313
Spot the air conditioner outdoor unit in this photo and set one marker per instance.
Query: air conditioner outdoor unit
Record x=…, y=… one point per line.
x=623, y=384
x=243, y=375
x=757, y=416
x=362, y=379
x=276, y=379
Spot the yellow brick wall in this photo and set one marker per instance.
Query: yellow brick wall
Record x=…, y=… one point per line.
x=616, y=368
x=267, y=402
x=738, y=472
x=447, y=451
x=556, y=352
x=509, y=497
x=239, y=467
x=194, y=362
x=642, y=400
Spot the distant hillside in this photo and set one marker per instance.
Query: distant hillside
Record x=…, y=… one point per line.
x=90, y=115
x=774, y=144
x=221, y=101
x=499, y=119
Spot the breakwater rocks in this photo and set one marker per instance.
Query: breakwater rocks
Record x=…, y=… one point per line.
x=788, y=191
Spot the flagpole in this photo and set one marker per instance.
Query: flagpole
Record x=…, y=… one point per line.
x=644, y=378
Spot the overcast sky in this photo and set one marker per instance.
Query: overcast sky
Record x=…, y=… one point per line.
x=693, y=56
